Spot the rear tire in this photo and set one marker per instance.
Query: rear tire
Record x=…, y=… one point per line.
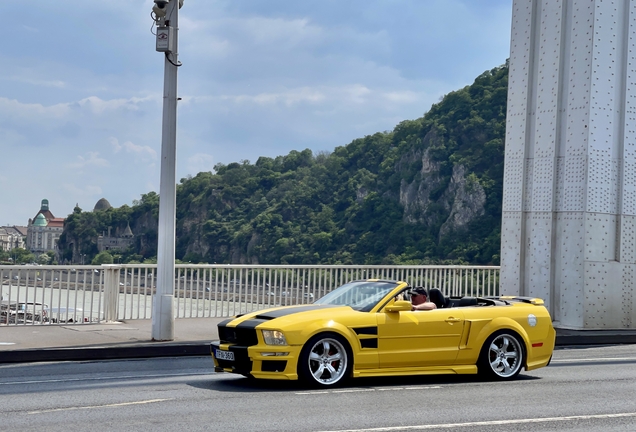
x=502, y=356
x=325, y=360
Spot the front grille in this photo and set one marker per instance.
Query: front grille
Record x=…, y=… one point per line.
x=238, y=336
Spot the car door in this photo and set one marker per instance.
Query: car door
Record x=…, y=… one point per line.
x=419, y=338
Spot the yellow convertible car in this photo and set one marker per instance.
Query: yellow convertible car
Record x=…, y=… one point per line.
x=367, y=328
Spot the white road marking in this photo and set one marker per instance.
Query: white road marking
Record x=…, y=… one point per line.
x=115, y=405
x=319, y=392
x=353, y=391
x=7, y=343
x=490, y=423
x=599, y=359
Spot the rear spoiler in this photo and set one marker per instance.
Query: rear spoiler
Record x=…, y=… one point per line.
x=531, y=300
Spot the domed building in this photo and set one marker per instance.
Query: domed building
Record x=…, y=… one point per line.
x=102, y=205
x=116, y=240
x=44, y=230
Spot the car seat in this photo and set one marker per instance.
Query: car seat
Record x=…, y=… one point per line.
x=435, y=296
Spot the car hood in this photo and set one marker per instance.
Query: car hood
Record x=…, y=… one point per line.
x=283, y=315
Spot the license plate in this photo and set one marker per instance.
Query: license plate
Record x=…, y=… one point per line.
x=224, y=355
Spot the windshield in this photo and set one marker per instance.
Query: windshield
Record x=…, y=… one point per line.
x=360, y=295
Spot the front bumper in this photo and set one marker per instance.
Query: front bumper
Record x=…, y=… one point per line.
x=253, y=360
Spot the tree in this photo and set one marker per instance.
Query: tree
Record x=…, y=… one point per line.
x=103, y=257
x=21, y=256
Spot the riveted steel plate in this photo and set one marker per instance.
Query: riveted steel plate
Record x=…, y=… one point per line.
x=602, y=184
x=569, y=269
x=626, y=239
x=628, y=285
x=559, y=183
x=543, y=185
x=511, y=253
x=539, y=227
x=603, y=295
x=513, y=184
x=629, y=187
x=574, y=183
x=600, y=237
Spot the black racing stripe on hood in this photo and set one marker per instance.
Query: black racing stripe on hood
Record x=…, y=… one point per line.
x=289, y=311
x=251, y=323
x=225, y=322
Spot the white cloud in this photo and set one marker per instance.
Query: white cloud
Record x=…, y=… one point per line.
x=35, y=81
x=84, y=191
x=92, y=159
x=99, y=106
x=142, y=151
x=200, y=162
x=401, y=96
x=11, y=108
x=288, y=98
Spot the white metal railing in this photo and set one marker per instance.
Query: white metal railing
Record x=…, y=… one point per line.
x=88, y=294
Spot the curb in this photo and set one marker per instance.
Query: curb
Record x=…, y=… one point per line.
x=567, y=338
x=580, y=338
x=104, y=353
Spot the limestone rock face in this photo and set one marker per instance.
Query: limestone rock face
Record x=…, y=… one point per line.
x=431, y=198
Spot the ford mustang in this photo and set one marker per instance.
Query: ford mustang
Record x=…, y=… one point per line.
x=368, y=328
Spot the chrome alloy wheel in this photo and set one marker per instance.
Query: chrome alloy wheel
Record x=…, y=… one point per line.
x=327, y=361
x=505, y=356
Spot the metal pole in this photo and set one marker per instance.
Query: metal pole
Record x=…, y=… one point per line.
x=163, y=306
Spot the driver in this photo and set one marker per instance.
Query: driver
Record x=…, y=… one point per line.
x=419, y=300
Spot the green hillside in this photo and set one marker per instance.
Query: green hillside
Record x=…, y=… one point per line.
x=430, y=191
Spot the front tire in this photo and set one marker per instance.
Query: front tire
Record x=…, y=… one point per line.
x=502, y=356
x=325, y=360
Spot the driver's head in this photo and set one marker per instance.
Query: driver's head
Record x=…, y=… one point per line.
x=419, y=295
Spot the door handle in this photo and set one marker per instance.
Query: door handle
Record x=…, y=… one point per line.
x=453, y=320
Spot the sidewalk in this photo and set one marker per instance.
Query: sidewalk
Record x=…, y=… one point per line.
x=131, y=339
x=192, y=337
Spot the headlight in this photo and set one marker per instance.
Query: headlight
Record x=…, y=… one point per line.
x=274, y=337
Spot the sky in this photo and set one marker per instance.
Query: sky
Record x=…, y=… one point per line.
x=81, y=85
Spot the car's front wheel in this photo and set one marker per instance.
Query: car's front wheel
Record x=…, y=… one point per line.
x=325, y=360
x=502, y=356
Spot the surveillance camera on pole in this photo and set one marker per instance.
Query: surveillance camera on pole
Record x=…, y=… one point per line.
x=165, y=13
x=166, y=33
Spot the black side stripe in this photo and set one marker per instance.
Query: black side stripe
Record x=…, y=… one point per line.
x=369, y=343
x=366, y=330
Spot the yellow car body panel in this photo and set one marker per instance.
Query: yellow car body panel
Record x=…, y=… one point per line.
x=385, y=338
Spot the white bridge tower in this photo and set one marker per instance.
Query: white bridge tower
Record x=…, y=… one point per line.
x=569, y=203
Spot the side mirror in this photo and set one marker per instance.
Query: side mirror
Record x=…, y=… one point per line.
x=399, y=306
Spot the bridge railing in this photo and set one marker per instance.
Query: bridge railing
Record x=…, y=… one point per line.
x=89, y=294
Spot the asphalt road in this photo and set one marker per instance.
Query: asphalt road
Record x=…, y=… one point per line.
x=588, y=389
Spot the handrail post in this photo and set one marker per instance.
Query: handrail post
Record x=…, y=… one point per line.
x=111, y=291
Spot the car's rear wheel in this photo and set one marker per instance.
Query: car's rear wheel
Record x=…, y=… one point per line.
x=502, y=356
x=325, y=360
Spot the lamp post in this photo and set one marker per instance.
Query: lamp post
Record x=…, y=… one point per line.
x=166, y=16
